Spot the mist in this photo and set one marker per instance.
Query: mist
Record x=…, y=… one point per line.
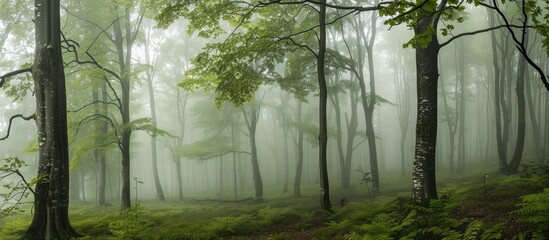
x=252, y=111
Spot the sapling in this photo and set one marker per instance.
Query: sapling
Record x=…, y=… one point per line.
x=484, y=182
x=366, y=178
x=137, y=182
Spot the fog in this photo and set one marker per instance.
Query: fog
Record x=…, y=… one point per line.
x=209, y=131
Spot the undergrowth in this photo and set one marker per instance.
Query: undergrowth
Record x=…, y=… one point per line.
x=500, y=208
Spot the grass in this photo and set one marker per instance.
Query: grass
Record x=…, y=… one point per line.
x=510, y=208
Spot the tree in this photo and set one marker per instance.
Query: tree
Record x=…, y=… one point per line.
x=220, y=64
x=423, y=17
x=150, y=77
x=50, y=218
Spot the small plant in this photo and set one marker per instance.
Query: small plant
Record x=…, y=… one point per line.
x=137, y=182
x=366, y=179
x=484, y=183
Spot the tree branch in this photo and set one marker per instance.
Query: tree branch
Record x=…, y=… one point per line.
x=520, y=44
x=11, y=121
x=11, y=74
x=477, y=32
x=203, y=158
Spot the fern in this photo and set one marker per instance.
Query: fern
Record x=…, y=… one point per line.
x=474, y=230
x=535, y=210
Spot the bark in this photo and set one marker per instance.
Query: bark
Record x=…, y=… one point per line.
x=423, y=176
x=51, y=199
x=323, y=97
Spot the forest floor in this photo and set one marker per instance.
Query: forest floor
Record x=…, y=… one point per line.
x=471, y=206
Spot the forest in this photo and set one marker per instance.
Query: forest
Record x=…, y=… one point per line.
x=274, y=119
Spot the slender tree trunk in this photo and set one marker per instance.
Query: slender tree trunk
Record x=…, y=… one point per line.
x=352, y=125
x=323, y=97
x=402, y=89
x=98, y=154
x=221, y=178
x=498, y=98
x=154, y=155
x=252, y=119
x=334, y=99
x=51, y=199
x=451, y=126
x=299, y=165
x=286, y=170
x=233, y=144
x=521, y=124
x=181, y=106
x=124, y=40
x=461, y=80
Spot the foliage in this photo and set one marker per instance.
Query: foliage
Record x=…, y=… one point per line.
x=464, y=212
x=534, y=169
x=17, y=189
x=131, y=224
x=206, y=148
x=535, y=209
x=540, y=18
x=19, y=86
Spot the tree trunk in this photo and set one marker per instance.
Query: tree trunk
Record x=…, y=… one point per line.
x=352, y=125
x=123, y=39
x=402, y=89
x=299, y=165
x=461, y=112
x=323, y=97
x=233, y=145
x=334, y=99
x=252, y=126
x=51, y=199
x=154, y=156
x=521, y=124
x=181, y=106
x=424, y=181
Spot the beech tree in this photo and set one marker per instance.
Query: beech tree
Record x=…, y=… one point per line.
x=51, y=194
x=424, y=17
